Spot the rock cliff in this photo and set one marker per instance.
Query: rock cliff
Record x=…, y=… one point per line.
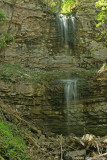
x=37, y=42
x=37, y=47
x=45, y=102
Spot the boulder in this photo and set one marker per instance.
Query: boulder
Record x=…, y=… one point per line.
x=73, y=155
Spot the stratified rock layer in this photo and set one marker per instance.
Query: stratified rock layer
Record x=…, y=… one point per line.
x=37, y=46
x=37, y=41
x=46, y=104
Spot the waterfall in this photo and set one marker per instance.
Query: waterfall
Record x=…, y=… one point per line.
x=71, y=95
x=66, y=29
x=70, y=91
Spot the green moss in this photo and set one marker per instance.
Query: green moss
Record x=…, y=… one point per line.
x=16, y=73
x=97, y=130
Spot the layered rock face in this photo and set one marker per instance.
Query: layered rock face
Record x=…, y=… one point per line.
x=37, y=46
x=88, y=112
x=47, y=104
x=30, y=27
x=91, y=45
x=37, y=42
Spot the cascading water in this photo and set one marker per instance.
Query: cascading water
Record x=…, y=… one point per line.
x=71, y=95
x=70, y=91
x=66, y=29
x=67, y=34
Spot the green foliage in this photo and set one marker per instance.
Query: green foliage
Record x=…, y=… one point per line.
x=11, y=70
x=11, y=147
x=4, y=36
x=8, y=37
x=104, y=64
x=63, y=6
x=16, y=72
x=52, y=5
x=2, y=16
x=67, y=6
x=101, y=16
x=2, y=43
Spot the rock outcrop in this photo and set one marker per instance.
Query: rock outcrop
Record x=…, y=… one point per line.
x=91, y=45
x=37, y=46
x=37, y=42
x=46, y=103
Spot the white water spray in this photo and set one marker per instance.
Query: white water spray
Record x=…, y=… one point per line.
x=67, y=28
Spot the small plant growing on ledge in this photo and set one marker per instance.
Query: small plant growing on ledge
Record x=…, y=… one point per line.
x=103, y=68
x=4, y=36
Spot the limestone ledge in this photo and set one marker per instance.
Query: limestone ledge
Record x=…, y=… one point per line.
x=20, y=89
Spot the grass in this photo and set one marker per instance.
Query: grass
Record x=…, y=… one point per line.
x=11, y=147
x=17, y=72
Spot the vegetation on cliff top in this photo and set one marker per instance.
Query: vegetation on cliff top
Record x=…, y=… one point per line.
x=63, y=6
x=66, y=6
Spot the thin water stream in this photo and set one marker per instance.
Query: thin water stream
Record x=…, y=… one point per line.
x=71, y=94
x=66, y=29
